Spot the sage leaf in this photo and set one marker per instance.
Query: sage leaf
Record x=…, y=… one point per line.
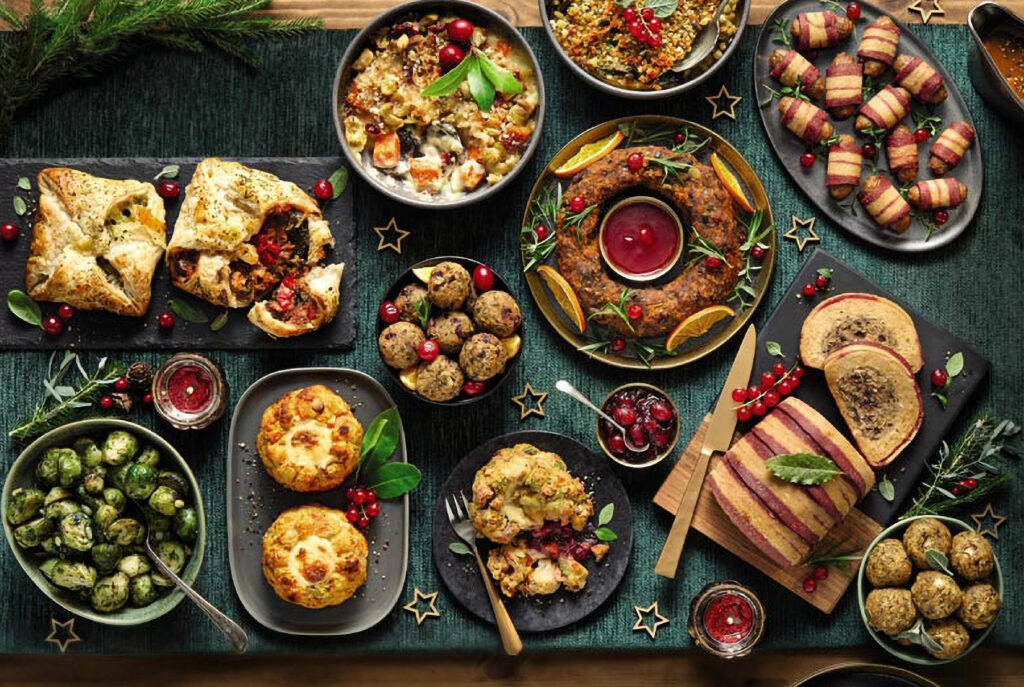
x=24, y=308
x=606, y=514
x=955, y=364
x=774, y=348
x=447, y=84
x=825, y=272
x=886, y=489
x=379, y=442
x=480, y=87
x=188, y=312
x=20, y=208
x=803, y=468
x=394, y=479
x=168, y=172
x=24, y=184
x=502, y=79
x=937, y=561
x=220, y=321
x=339, y=181
x=460, y=549
x=605, y=534
x=661, y=8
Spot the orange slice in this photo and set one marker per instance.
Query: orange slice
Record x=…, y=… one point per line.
x=512, y=345
x=588, y=154
x=408, y=377
x=732, y=185
x=564, y=296
x=697, y=324
x=423, y=273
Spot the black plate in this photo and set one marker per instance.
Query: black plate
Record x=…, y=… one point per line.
x=101, y=330
x=863, y=675
x=936, y=345
x=812, y=182
x=538, y=614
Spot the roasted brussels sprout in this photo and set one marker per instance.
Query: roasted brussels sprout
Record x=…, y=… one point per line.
x=47, y=566
x=57, y=494
x=148, y=456
x=165, y=500
x=73, y=575
x=143, y=591
x=94, y=480
x=134, y=564
x=158, y=522
x=88, y=451
x=50, y=547
x=24, y=505
x=33, y=532
x=115, y=498
x=173, y=480
x=140, y=480
x=160, y=580
x=75, y=531
x=115, y=476
x=186, y=523
x=173, y=553
x=104, y=516
x=106, y=556
x=58, y=509
x=126, y=531
x=111, y=592
x=69, y=468
x=119, y=447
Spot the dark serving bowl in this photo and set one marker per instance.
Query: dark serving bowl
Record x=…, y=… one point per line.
x=480, y=16
x=743, y=13
x=409, y=277
x=986, y=77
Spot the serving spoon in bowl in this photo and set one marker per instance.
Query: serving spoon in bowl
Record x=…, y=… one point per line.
x=705, y=43
x=569, y=390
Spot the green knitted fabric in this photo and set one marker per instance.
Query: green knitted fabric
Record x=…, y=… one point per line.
x=169, y=104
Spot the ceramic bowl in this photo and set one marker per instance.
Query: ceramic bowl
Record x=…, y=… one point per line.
x=22, y=475
x=479, y=15
x=986, y=77
x=669, y=212
x=916, y=654
x=664, y=453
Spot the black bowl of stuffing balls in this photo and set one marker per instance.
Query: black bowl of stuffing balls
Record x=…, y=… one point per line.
x=449, y=330
x=930, y=589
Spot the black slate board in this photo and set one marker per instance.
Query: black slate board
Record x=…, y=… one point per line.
x=100, y=330
x=812, y=181
x=937, y=344
x=537, y=614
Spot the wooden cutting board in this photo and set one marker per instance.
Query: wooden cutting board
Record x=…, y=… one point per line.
x=855, y=532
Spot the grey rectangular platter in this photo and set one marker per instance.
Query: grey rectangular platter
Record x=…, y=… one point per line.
x=255, y=500
x=100, y=330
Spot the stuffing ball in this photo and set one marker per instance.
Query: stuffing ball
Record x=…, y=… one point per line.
x=971, y=556
x=936, y=594
x=451, y=329
x=448, y=285
x=888, y=565
x=483, y=357
x=498, y=313
x=439, y=380
x=952, y=638
x=399, y=343
x=408, y=301
x=980, y=606
x=924, y=534
x=890, y=610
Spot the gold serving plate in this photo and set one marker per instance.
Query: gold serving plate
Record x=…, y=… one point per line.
x=695, y=349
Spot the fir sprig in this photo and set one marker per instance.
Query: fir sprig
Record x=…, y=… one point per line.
x=543, y=211
x=74, y=39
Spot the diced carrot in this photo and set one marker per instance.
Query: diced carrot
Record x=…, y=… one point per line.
x=386, y=150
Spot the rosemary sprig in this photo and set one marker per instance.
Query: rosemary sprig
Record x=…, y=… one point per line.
x=572, y=220
x=673, y=167
x=701, y=248
x=648, y=352
x=839, y=560
x=615, y=310
x=62, y=401
x=691, y=143
x=780, y=32
x=635, y=135
x=544, y=211
x=755, y=233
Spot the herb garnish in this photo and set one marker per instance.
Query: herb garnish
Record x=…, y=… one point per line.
x=338, y=181
x=756, y=232
x=927, y=120
x=917, y=635
x=484, y=78
x=803, y=468
x=780, y=32
x=661, y=8
x=938, y=561
x=954, y=366
x=24, y=184
x=603, y=532
x=673, y=167
x=886, y=489
x=388, y=480
x=790, y=91
x=219, y=322
x=702, y=248
x=168, y=172
x=773, y=348
x=423, y=312
x=188, y=312
x=615, y=309
x=20, y=208
x=838, y=560
x=544, y=212
x=460, y=548
x=574, y=219
x=24, y=308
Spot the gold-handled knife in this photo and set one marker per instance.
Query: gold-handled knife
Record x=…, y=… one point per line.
x=717, y=438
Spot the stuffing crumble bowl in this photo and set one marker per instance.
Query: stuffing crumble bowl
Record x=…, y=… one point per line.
x=438, y=149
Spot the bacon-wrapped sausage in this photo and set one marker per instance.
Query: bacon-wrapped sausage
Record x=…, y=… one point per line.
x=901, y=148
x=792, y=69
x=815, y=30
x=935, y=194
x=886, y=109
x=950, y=147
x=885, y=204
x=921, y=79
x=845, y=161
x=843, y=81
x=808, y=121
x=878, y=45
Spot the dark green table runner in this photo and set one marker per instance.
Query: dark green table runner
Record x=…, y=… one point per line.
x=169, y=104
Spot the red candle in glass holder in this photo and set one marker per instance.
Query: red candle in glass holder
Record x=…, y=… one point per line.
x=189, y=391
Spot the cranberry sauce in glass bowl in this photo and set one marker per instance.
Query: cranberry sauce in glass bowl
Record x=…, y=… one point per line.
x=641, y=238
x=649, y=417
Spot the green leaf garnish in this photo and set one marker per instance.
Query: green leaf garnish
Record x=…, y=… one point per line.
x=394, y=479
x=955, y=364
x=774, y=348
x=803, y=468
x=24, y=308
x=605, y=534
x=220, y=321
x=339, y=181
x=605, y=516
x=168, y=172
x=502, y=79
x=24, y=184
x=938, y=561
x=886, y=489
x=484, y=79
x=188, y=312
x=460, y=549
x=20, y=208
x=447, y=83
x=480, y=86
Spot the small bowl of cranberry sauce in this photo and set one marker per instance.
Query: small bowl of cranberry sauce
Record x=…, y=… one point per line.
x=649, y=417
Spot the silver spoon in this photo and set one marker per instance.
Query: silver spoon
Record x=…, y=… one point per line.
x=705, y=43
x=569, y=390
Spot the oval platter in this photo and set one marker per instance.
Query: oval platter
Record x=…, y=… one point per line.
x=863, y=675
x=254, y=500
x=537, y=614
x=849, y=214
x=637, y=354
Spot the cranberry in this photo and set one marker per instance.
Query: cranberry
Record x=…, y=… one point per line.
x=449, y=56
x=65, y=312
x=472, y=388
x=352, y=514
x=636, y=29
x=372, y=128
x=637, y=436
x=323, y=190
x=460, y=30
x=577, y=203
x=957, y=490
x=810, y=584
x=809, y=289
x=779, y=369
x=647, y=14
x=580, y=551
x=371, y=496
x=168, y=189
x=739, y=394
x=650, y=424
x=629, y=14
x=9, y=231
x=798, y=371
x=785, y=387
x=758, y=408
x=541, y=232
x=679, y=138
x=921, y=135
x=655, y=40
x=120, y=384
x=794, y=382
x=624, y=415
x=106, y=402
x=52, y=325
x=147, y=399
x=350, y=494
x=165, y=320
x=358, y=495
x=753, y=392
x=767, y=381
x=969, y=483
x=372, y=509
x=654, y=25
x=939, y=377
x=940, y=217
x=712, y=261
x=757, y=253
x=821, y=282
x=772, y=398
x=428, y=350
x=618, y=344
x=483, y=278
x=853, y=11
x=362, y=523
x=388, y=312
x=634, y=161
x=661, y=438
x=743, y=414
x=868, y=150
x=807, y=160
x=634, y=311
x=820, y=572
x=646, y=235
x=661, y=411
x=616, y=444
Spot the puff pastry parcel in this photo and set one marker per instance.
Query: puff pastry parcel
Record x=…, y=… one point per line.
x=300, y=305
x=96, y=242
x=240, y=231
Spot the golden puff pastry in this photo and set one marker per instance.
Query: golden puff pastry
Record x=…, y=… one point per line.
x=96, y=242
x=240, y=230
x=300, y=305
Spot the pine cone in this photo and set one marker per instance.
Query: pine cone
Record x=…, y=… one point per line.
x=140, y=376
x=122, y=401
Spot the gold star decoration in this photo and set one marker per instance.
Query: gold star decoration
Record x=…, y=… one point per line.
x=794, y=229
x=536, y=406
x=659, y=619
x=926, y=13
x=69, y=637
x=390, y=236
x=986, y=515
x=727, y=110
x=414, y=606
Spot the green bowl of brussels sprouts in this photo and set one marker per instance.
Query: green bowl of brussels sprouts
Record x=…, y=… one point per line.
x=70, y=514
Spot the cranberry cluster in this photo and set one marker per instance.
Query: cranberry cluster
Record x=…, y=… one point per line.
x=821, y=283
x=561, y=541
x=819, y=573
x=643, y=25
x=646, y=415
x=459, y=31
x=122, y=388
x=756, y=400
x=362, y=506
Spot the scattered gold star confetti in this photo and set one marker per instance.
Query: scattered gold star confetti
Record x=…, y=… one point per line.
x=986, y=515
x=68, y=637
x=390, y=236
x=414, y=606
x=794, y=229
x=536, y=402
x=659, y=619
x=926, y=13
x=727, y=110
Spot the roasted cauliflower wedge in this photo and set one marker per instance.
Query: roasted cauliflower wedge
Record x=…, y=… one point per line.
x=523, y=487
